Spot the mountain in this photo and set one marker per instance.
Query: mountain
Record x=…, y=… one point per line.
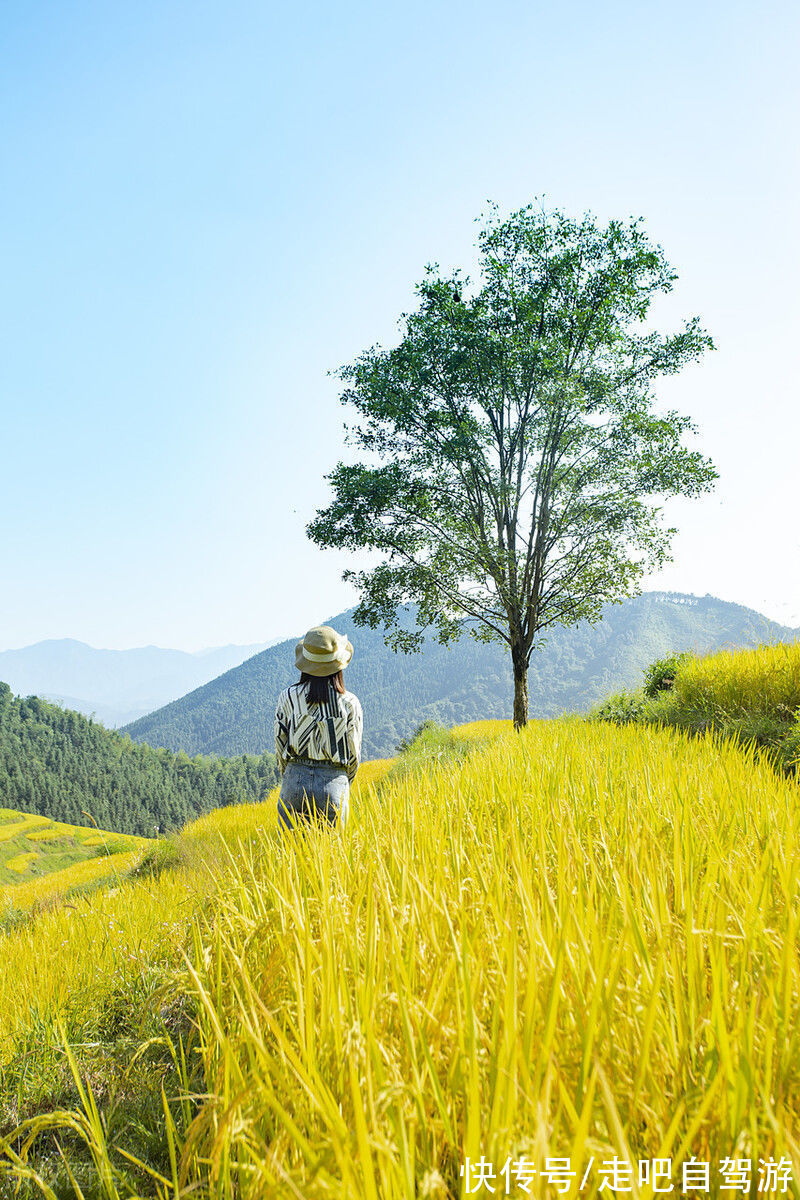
x=576, y=667
x=116, y=686
x=61, y=765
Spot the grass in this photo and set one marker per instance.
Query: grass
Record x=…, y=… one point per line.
x=47, y=835
x=434, y=744
x=578, y=941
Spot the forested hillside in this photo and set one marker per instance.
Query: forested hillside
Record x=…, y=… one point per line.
x=62, y=765
x=469, y=681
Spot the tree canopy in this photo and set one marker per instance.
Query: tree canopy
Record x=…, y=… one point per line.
x=515, y=459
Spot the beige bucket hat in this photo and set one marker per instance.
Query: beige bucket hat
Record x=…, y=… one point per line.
x=323, y=651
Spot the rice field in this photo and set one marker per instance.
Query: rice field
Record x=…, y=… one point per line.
x=20, y=862
x=47, y=835
x=47, y=889
x=33, y=848
x=574, y=948
x=763, y=681
x=750, y=696
x=14, y=824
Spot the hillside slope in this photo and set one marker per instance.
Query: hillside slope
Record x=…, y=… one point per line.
x=59, y=764
x=544, y=941
x=33, y=847
x=577, y=667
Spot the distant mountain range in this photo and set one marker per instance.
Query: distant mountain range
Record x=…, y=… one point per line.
x=575, y=668
x=116, y=686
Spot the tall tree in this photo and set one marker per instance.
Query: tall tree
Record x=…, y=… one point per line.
x=515, y=457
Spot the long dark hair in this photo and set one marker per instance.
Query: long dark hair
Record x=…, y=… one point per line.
x=320, y=687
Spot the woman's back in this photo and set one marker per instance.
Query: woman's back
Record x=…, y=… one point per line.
x=327, y=731
x=318, y=729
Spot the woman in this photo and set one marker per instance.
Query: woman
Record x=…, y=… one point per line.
x=318, y=727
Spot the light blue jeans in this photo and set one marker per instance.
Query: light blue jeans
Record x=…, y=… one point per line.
x=309, y=792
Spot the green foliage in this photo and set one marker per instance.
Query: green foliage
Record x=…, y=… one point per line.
x=432, y=741
x=406, y=743
x=660, y=675
x=620, y=708
x=519, y=456
x=165, y=854
x=791, y=745
x=64, y=766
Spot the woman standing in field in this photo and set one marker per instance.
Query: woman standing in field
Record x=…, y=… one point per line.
x=318, y=726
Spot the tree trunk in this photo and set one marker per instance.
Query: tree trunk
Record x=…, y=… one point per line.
x=520, y=689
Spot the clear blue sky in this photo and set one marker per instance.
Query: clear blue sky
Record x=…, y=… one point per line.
x=206, y=207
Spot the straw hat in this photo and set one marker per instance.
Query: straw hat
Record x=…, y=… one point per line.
x=323, y=651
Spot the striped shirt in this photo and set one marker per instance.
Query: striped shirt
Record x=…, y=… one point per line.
x=329, y=732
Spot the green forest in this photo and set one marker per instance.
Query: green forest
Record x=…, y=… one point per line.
x=63, y=765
